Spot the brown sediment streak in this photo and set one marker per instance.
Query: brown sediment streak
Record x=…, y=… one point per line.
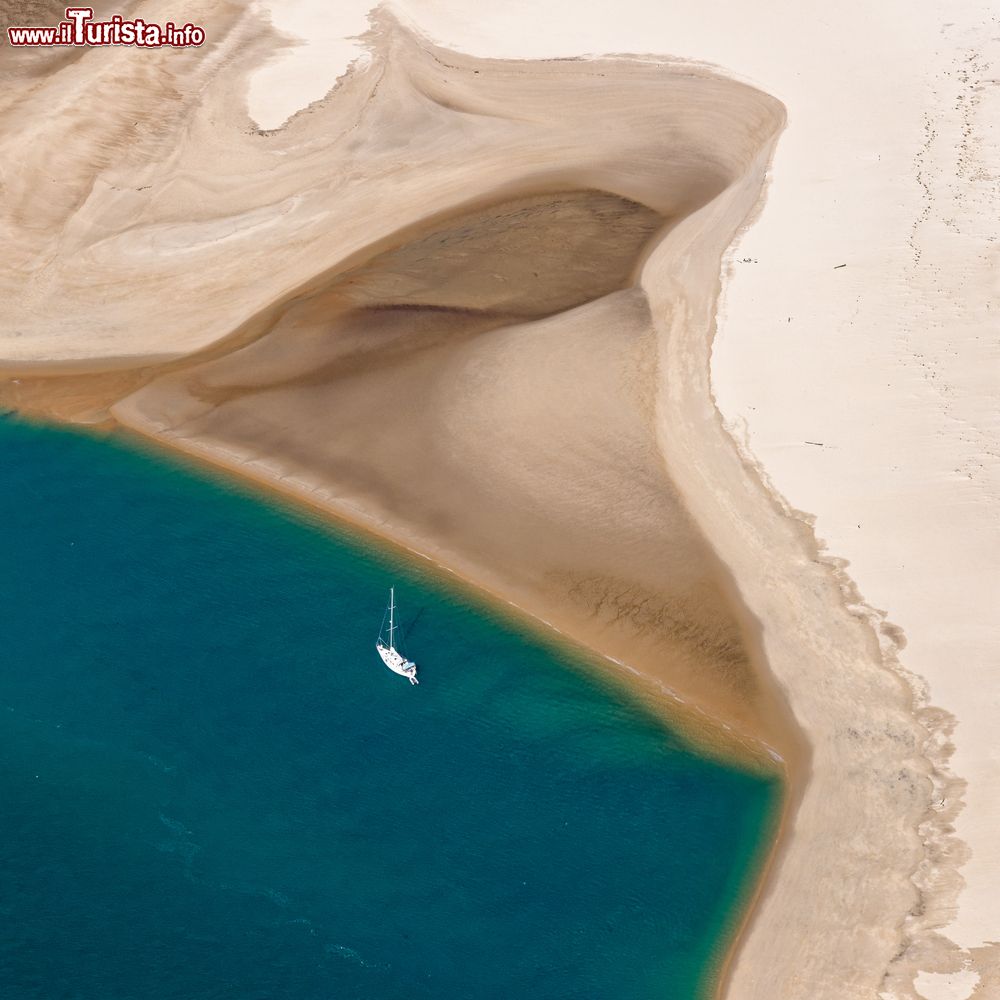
x=468, y=305
x=871, y=869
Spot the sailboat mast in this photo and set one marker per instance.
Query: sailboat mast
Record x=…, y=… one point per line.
x=392, y=612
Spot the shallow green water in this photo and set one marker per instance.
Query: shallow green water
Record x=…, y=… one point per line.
x=212, y=788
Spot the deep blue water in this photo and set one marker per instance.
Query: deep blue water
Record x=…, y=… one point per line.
x=210, y=787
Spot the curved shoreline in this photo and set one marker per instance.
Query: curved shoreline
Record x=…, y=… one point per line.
x=698, y=728
x=784, y=592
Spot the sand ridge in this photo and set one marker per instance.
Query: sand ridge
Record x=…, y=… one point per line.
x=401, y=342
x=297, y=305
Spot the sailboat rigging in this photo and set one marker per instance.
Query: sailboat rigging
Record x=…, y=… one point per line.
x=391, y=656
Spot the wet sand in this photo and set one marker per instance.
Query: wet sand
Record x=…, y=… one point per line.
x=477, y=379
x=484, y=395
x=469, y=305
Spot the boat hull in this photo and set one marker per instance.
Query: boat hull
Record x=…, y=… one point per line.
x=397, y=663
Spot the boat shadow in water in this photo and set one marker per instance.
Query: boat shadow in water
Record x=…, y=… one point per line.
x=407, y=629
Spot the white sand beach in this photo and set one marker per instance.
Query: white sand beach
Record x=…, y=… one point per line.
x=614, y=412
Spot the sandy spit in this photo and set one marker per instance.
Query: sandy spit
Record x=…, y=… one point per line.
x=469, y=304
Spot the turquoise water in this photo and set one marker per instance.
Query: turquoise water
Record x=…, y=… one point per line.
x=212, y=788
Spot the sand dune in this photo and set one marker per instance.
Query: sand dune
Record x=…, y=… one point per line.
x=481, y=392
x=469, y=304
x=420, y=218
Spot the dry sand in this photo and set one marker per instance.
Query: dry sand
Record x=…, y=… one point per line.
x=429, y=322
x=470, y=304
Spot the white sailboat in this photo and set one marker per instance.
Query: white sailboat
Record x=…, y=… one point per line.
x=391, y=656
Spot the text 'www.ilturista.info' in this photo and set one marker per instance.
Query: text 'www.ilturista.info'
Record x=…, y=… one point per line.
x=81, y=29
